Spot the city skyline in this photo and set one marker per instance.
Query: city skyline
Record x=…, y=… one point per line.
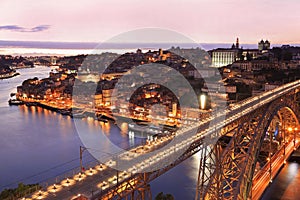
x=203, y=21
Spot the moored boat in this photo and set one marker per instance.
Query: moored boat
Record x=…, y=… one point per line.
x=15, y=102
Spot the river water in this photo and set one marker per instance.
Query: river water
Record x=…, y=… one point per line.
x=37, y=144
x=286, y=185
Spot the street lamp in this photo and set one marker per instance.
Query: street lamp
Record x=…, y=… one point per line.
x=295, y=132
x=202, y=101
x=81, y=150
x=110, y=162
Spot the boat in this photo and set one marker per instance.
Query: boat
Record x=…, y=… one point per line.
x=103, y=120
x=143, y=123
x=152, y=130
x=31, y=103
x=105, y=117
x=15, y=102
x=65, y=112
x=78, y=115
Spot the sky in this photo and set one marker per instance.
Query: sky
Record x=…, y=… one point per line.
x=204, y=21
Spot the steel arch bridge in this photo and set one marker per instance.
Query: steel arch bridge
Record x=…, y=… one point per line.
x=229, y=173
x=255, y=137
x=227, y=169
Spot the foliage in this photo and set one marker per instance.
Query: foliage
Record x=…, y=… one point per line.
x=18, y=192
x=162, y=196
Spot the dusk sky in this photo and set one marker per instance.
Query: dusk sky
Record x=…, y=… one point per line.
x=205, y=21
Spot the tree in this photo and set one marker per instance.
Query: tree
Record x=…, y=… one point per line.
x=162, y=196
x=19, y=192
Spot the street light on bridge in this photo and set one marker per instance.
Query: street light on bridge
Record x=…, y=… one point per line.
x=81, y=150
x=295, y=129
x=202, y=101
x=290, y=129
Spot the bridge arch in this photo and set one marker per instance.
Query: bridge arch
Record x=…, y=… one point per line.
x=236, y=165
x=276, y=144
x=279, y=129
x=285, y=112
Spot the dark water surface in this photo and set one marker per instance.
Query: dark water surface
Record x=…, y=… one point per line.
x=286, y=185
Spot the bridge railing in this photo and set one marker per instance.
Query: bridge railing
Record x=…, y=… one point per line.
x=264, y=177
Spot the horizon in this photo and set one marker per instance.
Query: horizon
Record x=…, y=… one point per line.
x=77, y=45
x=50, y=48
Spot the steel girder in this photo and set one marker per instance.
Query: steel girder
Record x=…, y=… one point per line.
x=137, y=187
x=223, y=173
x=233, y=169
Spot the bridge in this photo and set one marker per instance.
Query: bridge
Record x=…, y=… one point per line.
x=242, y=148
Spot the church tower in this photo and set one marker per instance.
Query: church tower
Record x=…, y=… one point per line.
x=237, y=44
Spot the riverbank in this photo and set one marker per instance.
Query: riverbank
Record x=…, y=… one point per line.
x=72, y=112
x=23, y=67
x=19, y=192
x=9, y=75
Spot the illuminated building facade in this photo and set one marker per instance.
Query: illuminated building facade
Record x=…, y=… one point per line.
x=225, y=56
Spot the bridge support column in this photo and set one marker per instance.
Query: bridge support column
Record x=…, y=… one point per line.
x=208, y=165
x=270, y=165
x=144, y=193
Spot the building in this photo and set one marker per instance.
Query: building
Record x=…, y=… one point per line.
x=269, y=86
x=214, y=89
x=244, y=65
x=225, y=56
x=230, y=88
x=264, y=45
x=249, y=54
x=222, y=57
x=258, y=65
x=253, y=65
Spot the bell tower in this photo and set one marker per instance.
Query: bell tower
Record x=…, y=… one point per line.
x=237, y=44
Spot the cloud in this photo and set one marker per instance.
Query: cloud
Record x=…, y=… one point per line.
x=17, y=28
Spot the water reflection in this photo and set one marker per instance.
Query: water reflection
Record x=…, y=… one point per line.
x=286, y=183
x=106, y=128
x=124, y=129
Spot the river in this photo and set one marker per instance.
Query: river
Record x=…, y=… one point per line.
x=286, y=184
x=37, y=144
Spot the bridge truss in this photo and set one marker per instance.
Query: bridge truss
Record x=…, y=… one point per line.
x=227, y=168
